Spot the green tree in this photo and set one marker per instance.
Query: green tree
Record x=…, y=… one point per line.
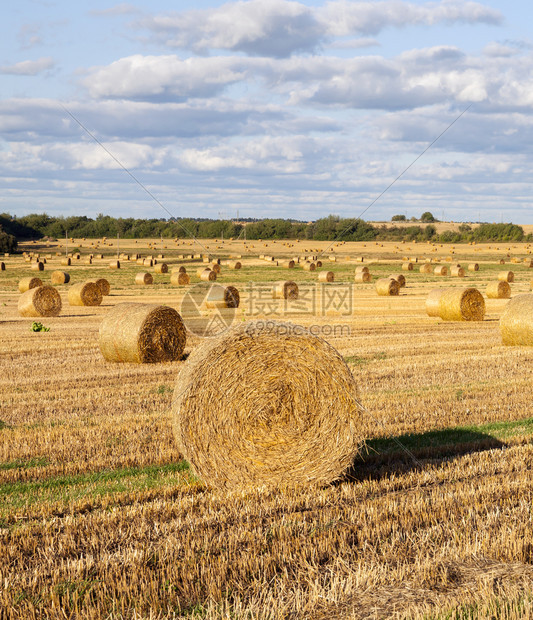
x=427, y=216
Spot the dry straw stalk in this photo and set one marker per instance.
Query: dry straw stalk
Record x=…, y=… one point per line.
x=40, y=301
x=461, y=304
x=387, y=287
x=60, y=277
x=26, y=283
x=294, y=418
x=516, y=322
x=144, y=278
x=498, y=290
x=142, y=333
x=285, y=290
x=84, y=294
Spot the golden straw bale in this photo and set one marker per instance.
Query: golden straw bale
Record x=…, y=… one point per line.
x=399, y=277
x=498, y=290
x=180, y=278
x=407, y=266
x=285, y=290
x=27, y=283
x=114, y=264
x=103, y=285
x=222, y=297
x=148, y=262
x=144, y=278
x=441, y=270
x=326, y=276
x=309, y=266
x=140, y=261
x=283, y=428
x=142, y=333
x=432, y=301
x=426, y=268
x=289, y=264
x=179, y=269
x=234, y=264
x=215, y=267
x=386, y=287
x=361, y=269
x=60, y=277
x=516, y=322
x=461, y=304
x=362, y=276
x=473, y=267
x=208, y=275
x=200, y=270
x=333, y=259
x=506, y=276
x=40, y=301
x=161, y=268
x=39, y=266
x=457, y=272
x=84, y=294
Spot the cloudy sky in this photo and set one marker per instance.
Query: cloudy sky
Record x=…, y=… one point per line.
x=267, y=108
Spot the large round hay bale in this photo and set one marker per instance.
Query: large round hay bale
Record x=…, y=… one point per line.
x=399, y=277
x=362, y=276
x=103, y=285
x=84, y=294
x=27, y=283
x=40, y=301
x=498, y=290
x=457, y=272
x=161, y=268
x=142, y=333
x=208, y=275
x=144, y=278
x=222, y=297
x=473, y=267
x=432, y=301
x=60, y=277
x=461, y=304
x=516, y=322
x=282, y=427
x=326, y=276
x=180, y=278
x=285, y=290
x=407, y=266
x=441, y=270
x=426, y=268
x=506, y=276
x=386, y=287
x=38, y=266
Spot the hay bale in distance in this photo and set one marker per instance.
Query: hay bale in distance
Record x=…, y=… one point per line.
x=362, y=269
x=399, y=277
x=441, y=270
x=215, y=267
x=161, y=268
x=362, y=276
x=498, y=290
x=506, y=276
x=516, y=322
x=426, y=268
x=234, y=264
x=326, y=276
x=432, y=301
x=461, y=304
x=180, y=278
x=103, y=285
x=288, y=264
x=387, y=287
x=142, y=333
x=308, y=266
x=60, y=277
x=40, y=301
x=27, y=283
x=473, y=267
x=179, y=269
x=144, y=278
x=222, y=297
x=407, y=266
x=38, y=266
x=285, y=290
x=283, y=428
x=66, y=261
x=84, y=294
x=208, y=275
x=457, y=272
x=114, y=264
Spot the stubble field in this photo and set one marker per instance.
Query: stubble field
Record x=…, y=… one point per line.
x=101, y=518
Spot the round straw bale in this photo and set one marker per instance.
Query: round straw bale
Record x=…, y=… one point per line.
x=60, y=277
x=66, y=261
x=363, y=276
x=283, y=428
x=289, y=264
x=142, y=333
x=39, y=266
x=502, y=261
x=103, y=285
x=27, y=283
x=473, y=267
x=318, y=264
x=498, y=290
x=208, y=275
x=179, y=269
x=180, y=278
x=457, y=271
x=399, y=277
x=222, y=297
x=161, y=268
x=40, y=301
x=326, y=276
x=461, y=304
x=407, y=266
x=426, y=268
x=114, y=264
x=441, y=270
x=362, y=269
x=144, y=278
x=140, y=261
x=432, y=301
x=215, y=267
x=285, y=290
x=386, y=286
x=506, y=276
x=234, y=264
x=84, y=294
x=516, y=322
x=309, y=266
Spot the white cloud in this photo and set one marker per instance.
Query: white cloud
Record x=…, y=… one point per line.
x=28, y=67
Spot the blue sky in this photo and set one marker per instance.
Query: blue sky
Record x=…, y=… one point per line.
x=267, y=108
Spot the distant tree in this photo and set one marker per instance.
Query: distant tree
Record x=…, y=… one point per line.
x=427, y=216
x=398, y=218
x=8, y=243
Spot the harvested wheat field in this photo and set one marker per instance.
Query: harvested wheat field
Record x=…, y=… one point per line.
x=101, y=516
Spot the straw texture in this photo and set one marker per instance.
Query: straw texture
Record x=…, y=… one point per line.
x=498, y=290
x=84, y=294
x=516, y=323
x=293, y=418
x=285, y=290
x=40, y=301
x=461, y=304
x=27, y=283
x=432, y=301
x=142, y=333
